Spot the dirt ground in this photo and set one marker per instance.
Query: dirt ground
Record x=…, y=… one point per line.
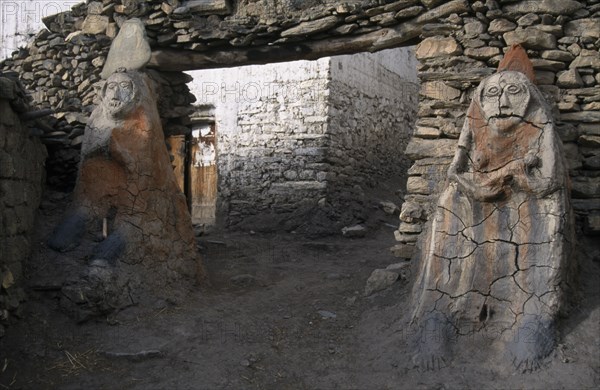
x=284, y=312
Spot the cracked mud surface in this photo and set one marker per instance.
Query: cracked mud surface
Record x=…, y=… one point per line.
x=273, y=329
x=499, y=250
x=126, y=189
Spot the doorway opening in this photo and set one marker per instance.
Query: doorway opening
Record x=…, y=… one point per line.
x=203, y=174
x=303, y=145
x=195, y=166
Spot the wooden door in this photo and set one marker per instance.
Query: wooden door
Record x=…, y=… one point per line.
x=203, y=174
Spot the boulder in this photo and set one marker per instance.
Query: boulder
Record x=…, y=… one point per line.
x=587, y=59
x=403, y=251
x=311, y=27
x=95, y=24
x=587, y=28
x=356, y=231
x=437, y=47
x=499, y=26
x=389, y=208
x=380, y=279
x=530, y=38
x=552, y=7
x=569, y=79
x=129, y=50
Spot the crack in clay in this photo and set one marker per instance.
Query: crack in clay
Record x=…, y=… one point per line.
x=497, y=240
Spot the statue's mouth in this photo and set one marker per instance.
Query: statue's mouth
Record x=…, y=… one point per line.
x=504, y=122
x=115, y=103
x=504, y=116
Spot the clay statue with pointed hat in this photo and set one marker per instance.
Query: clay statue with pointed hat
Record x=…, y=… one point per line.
x=497, y=254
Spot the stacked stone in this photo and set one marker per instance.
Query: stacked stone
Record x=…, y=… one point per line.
x=21, y=175
x=61, y=68
x=579, y=107
x=462, y=43
x=276, y=160
x=366, y=134
x=562, y=39
x=62, y=65
x=205, y=25
x=60, y=73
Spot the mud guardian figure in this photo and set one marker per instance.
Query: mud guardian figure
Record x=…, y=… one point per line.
x=126, y=190
x=497, y=254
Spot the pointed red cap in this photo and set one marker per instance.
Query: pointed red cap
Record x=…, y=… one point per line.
x=516, y=60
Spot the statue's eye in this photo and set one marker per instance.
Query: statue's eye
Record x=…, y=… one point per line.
x=492, y=91
x=513, y=88
x=125, y=84
x=111, y=85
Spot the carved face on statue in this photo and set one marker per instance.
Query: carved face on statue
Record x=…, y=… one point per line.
x=504, y=99
x=119, y=95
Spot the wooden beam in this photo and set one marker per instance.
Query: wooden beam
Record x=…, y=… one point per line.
x=181, y=60
x=208, y=7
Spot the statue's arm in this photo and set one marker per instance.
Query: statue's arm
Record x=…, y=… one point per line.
x=95, y=140
x=458, y=172
x=544, y=168
x=460, y=161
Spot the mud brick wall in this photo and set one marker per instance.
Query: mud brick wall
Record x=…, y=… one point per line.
x=21, y=176
x=562, y=38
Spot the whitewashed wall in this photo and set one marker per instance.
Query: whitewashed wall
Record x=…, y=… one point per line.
x=377, y=74
x=271, y=123
x=286, y=133
x=20, y=20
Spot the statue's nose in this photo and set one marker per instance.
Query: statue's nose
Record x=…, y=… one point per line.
x=504, y=102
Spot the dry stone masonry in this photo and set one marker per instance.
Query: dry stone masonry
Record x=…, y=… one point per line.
x=62, y=65
x=62, y=70
x=371, y=115
x=461, y=42
x=562, y=38
x=21, y=181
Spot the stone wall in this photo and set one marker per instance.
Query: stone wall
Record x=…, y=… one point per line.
x=462, y=42
x=61, y=69
x=562, y=38
x=372, y=108
x=61, y=65
x=21, y=176
x=299, y=136
x=22, y=19
x=270, y=122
